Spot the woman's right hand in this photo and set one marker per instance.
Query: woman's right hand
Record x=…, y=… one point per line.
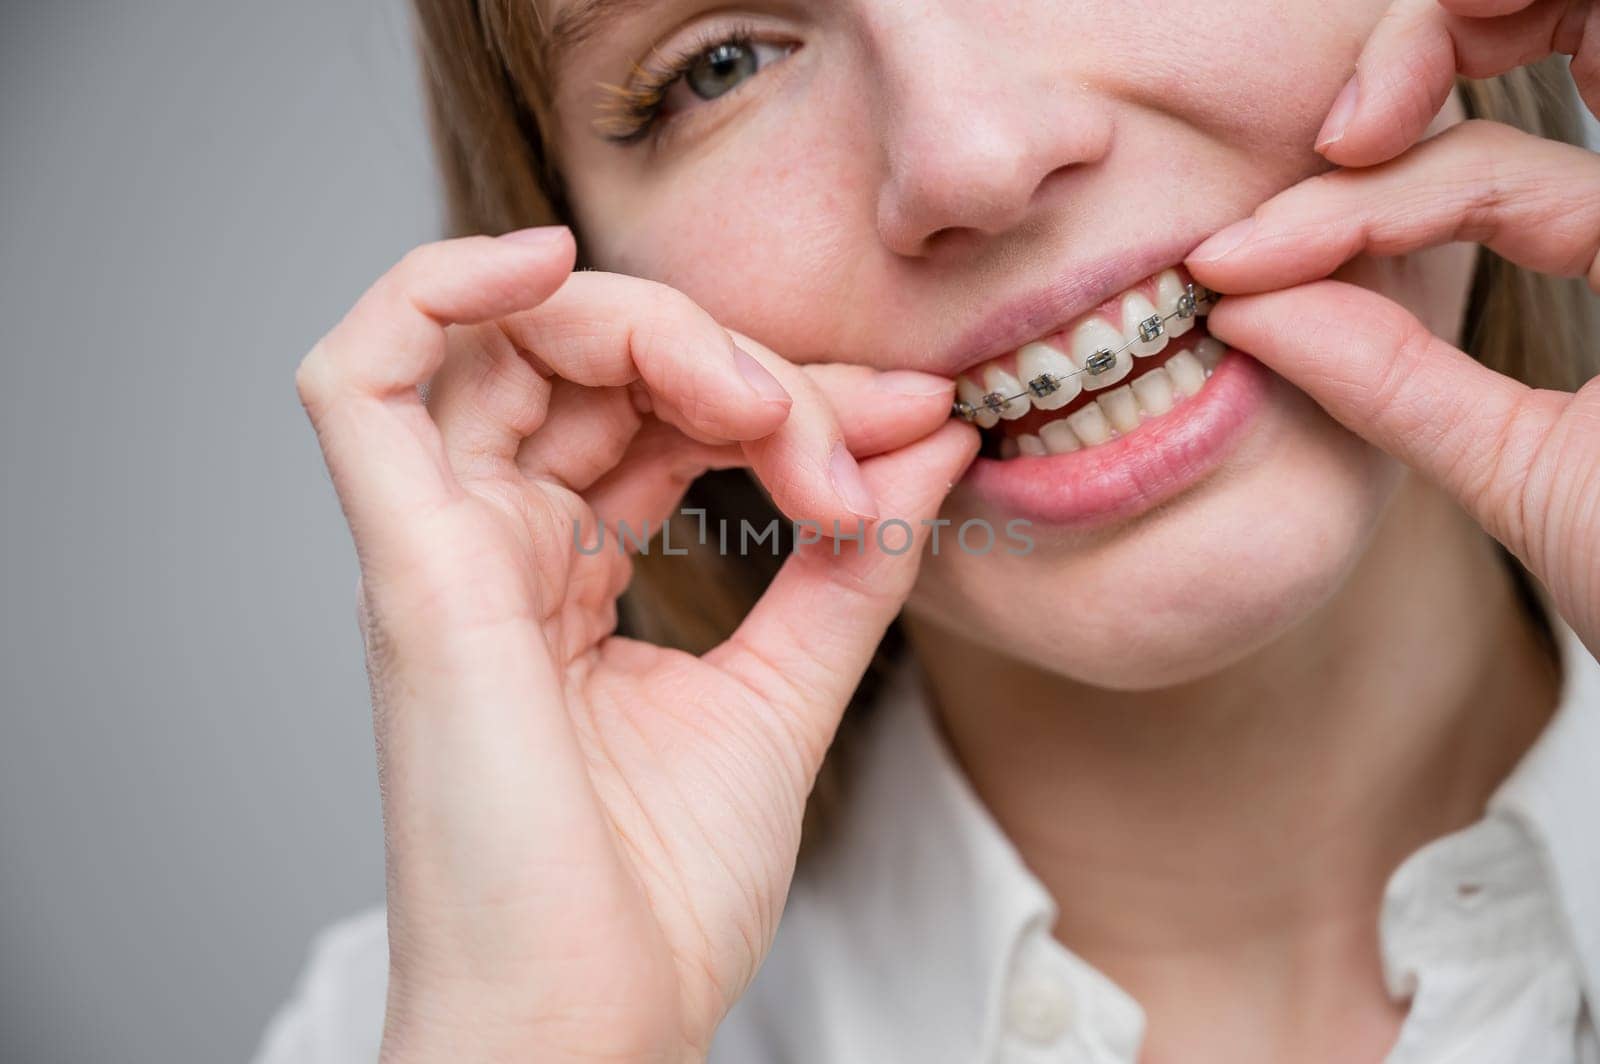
x=590, y=839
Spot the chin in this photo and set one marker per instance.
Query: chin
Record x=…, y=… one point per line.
x=1183, y=589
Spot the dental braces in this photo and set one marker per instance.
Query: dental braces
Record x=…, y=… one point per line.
x=1195, y=300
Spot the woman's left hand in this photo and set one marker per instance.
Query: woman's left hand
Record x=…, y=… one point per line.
x=1524, y=462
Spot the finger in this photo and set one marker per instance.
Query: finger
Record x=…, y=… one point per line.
x=1409, y=64
x=806, y=644
x=592, y=435
x=1583, y=44
x=604, y=330
x=1483, y=8
x=806, y=466
x=880, y=411
x=585, y=434
x=1374, y=367
x=486, y=398
x=588, y=431
x=644, y=490
x=874, y=411
x=359, y=383
x=608, y=330
x=1533, y=201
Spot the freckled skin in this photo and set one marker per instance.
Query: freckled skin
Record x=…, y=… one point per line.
x=915, y=164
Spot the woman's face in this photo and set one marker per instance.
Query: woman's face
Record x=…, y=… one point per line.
x=933, y=184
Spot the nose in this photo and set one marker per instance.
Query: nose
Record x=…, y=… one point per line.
x=976, y=132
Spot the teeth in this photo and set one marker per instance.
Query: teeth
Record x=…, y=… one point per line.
x=1168, y=288
x=996, y=379
x=1121, y=408
x=971, y=393
x=1040, y=358
x=1059, y=438
x=1154, y=391
x=1090, y=425
x=1187, y=374
x=1136, y=309
x=1140, y=328
x=1097, y=335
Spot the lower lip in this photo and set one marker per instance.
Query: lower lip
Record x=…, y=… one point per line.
x=1117, y=480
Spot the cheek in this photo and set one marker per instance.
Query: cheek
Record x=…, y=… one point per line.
x=1195, y=586
x=766, y=231
x=1256, y=77
x=1434, y=284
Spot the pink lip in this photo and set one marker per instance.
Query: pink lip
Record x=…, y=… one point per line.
x=1120, y=479
x=1043, y=311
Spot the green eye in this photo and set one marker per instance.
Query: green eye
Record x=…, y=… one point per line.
x=702, y=72
x=720, y=69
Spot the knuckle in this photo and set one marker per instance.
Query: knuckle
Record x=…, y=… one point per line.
x=832, y=385
x=1380, y=391
x=1486, y=132
x=1499, y=490
x=1315, y=189
x=666, y=312
x=311, y=377
x=1409, y=343
x=417, y=266
x=415, y=261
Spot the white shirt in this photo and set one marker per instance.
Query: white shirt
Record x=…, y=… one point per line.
x=919, y=935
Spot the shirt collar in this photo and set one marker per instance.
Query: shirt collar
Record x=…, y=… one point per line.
x=1554, y=792
x=921, y=877
x=929, y=881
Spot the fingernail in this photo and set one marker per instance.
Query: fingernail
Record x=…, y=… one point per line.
x=911, y=383
x=849, y=484
x=1223, y=242
x=1343, y=110
x=764, y=384
x=538, y=236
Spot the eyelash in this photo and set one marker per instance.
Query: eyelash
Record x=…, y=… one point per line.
x=632, y=113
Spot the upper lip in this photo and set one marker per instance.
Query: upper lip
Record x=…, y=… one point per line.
x=1046, y=309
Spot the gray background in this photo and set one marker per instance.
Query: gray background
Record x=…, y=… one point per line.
x=191, y=191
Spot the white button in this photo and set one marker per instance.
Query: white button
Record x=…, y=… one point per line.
x=1470, y=893
x=1039, y=1009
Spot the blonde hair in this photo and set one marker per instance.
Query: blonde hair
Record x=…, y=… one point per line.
x=486, y=62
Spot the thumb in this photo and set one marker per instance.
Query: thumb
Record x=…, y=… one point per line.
x=806, y=644
x=1377, y=369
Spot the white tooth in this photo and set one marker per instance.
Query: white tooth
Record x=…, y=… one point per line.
x=1188, y=375
x=1122, y=410
x=1009, y=448
x=1168, y=288
x=1038, y=358
x=969, y=391
x=996, y=379
x=1096, y=334
x=1154, y=391
x=1209, y=352
x=1031, y=445
x=1059, y=438
x=1090, y=425
x=1135, y=309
